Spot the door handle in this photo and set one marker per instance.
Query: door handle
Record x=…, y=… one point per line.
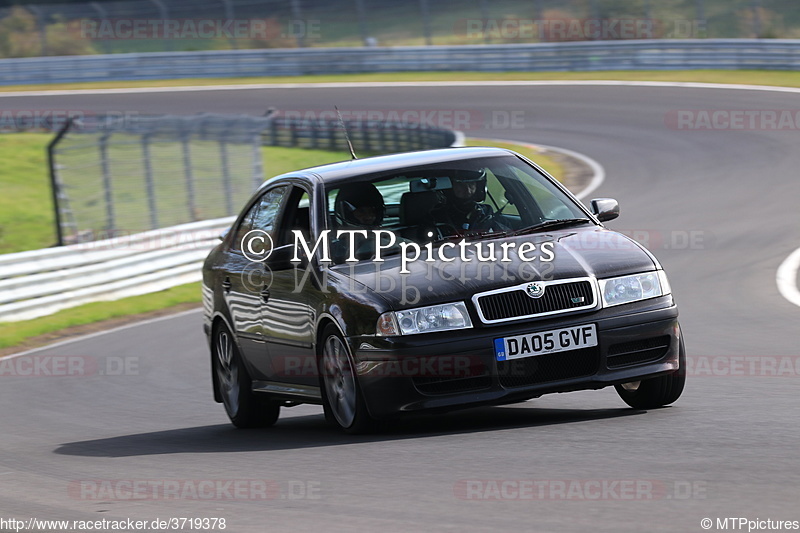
x=226, y=285
x=265, y=295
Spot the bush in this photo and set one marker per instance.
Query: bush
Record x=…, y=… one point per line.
x=20, y=36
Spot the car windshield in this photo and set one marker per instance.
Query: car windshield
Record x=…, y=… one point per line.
x=473, y=198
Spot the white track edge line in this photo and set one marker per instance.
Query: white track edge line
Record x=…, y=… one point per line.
x=99, y=333
x=390, y=84
x=786, y=278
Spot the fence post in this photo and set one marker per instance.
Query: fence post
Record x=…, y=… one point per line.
x=313, y=131
x=149, y=183
x=538, y=11
x=701, y=11
x=273, y=133
x=189, y=175
x=297, y=13
x=331, y=135
x=756, y=7
x=485, y=16
x=107, y=188
x=426, y=21
x=365, y=136
x=362, y=22
x=226, y=177
x=162, y=8
x=258, y=167
x=55, y=187
x=103, y=15
x=595, y=15
x=396, y=137
x=42, y=25
x=381, y=137
x=230, y=15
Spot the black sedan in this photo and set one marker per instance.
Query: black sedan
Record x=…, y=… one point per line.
x=431, y=281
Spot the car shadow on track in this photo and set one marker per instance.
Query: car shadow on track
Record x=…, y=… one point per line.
x=312, y=431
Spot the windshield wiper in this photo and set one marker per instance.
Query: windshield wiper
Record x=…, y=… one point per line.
x=550, y=224
x=475, y=235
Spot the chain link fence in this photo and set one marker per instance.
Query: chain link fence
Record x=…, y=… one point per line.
x=140, y=26
x=116, y=176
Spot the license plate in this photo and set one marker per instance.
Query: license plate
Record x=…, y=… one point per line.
x=544, y=342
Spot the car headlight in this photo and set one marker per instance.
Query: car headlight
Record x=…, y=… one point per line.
x=627, y=289
x=424, y=319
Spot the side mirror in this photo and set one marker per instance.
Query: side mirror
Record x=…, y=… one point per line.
x=605, y=209
x=224, y=234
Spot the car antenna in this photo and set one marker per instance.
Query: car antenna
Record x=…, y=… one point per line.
x=346, y=136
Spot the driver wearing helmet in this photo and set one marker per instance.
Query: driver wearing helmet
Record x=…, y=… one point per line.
x=463, y=206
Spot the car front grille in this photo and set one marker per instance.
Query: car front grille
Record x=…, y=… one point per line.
x=549, y=367
x=515, y=302
x=637, y=352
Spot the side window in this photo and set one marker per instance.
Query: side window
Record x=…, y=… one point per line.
x=244, y=227
x=296, y=216
x=261, y=215
x=268, y=208
x=497, y=193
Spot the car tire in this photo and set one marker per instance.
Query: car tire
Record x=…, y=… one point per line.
x=245, y=408
x=656, y=392
x=342, y=399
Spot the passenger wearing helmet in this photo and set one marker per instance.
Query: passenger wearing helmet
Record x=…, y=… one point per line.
x=358, y=206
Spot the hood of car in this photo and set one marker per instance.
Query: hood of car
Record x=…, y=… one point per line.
x=563, y=254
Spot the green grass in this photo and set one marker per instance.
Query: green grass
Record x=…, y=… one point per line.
x=553, y=168
x=13, y=333
x=754, y=77
x=282, y=160
x=26, y=207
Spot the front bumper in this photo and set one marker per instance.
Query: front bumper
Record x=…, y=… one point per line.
x=458, y=369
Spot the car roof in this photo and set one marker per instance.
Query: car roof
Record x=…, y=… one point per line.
x=342, y=171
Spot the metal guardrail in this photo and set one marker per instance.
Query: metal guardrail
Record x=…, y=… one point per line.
x=584, y=56
x=41, y=282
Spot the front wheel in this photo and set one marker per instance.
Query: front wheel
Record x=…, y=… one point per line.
x=245, y=408
x=342, y=399
x=655, y=392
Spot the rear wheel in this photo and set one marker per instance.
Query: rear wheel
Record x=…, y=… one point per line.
x=341, y=395
x=655, y=392
x=245, y=408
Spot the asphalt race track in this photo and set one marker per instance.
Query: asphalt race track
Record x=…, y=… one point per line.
x=728, y=448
